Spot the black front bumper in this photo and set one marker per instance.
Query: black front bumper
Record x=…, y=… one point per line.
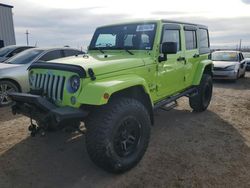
x=43, y=111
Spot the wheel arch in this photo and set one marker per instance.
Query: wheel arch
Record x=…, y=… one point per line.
x=14, y=82
x=208, y=69
x=205, y=66
x=136, y=92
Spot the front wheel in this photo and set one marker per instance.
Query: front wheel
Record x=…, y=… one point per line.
x=202, y=99
x=5, y=87
x=118, y=134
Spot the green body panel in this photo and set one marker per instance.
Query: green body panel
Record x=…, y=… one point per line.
x=93, y=92
x=200, y=69
x=118, y=70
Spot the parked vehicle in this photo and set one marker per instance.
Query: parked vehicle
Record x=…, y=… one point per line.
x=14, y=73
x=228, y=65
x=247, y=59
x=131, y=70
x=10, y=51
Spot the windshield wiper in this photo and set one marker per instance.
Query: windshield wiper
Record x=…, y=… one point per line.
x=131, y=53
x=100, y=50
x=126, y=50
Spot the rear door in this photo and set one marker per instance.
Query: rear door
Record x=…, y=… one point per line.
x=171, y=71
x=191, y=53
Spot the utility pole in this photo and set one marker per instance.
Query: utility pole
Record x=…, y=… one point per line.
x=27, y=37
x=240, y=45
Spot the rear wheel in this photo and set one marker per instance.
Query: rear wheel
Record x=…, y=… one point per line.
x=118, y=134
x=5, y=87
x=201, y=101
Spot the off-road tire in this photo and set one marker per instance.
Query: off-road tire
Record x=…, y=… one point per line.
x=102, y=127
x=201, y=101
x=10, y=85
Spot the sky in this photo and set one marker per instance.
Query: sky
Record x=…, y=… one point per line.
x=63, y=22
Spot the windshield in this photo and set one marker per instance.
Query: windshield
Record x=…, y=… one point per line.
x=25, y=56
x=129, y=36
x=225, y=56
x=5, y=50
x=246, y=54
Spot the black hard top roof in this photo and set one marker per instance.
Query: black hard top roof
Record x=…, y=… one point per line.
x=178, y=22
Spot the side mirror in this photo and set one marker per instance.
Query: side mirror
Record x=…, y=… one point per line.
x=169, y=47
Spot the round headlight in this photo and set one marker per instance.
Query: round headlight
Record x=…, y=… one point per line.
x=74, y=84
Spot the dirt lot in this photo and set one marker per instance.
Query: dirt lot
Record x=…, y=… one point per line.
x=209, y=149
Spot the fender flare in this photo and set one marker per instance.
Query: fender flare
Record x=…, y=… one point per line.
x=201, y=68
x=93, y=92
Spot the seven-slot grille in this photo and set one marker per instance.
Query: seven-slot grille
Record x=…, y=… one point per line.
x=51, y=85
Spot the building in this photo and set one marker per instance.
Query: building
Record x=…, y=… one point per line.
x=7, y=33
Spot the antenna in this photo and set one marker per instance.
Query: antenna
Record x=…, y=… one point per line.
x=27, y=37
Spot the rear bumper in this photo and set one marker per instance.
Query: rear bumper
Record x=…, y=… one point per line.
x=224, y=75
x=43, y=111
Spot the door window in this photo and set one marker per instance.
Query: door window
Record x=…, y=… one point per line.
x=204, y=42
x=70, y=52
x=56, y=54
x=191, y=40
x=172, y=36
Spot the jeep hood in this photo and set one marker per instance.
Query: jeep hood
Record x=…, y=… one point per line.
x=102, y=64
x=223, y=64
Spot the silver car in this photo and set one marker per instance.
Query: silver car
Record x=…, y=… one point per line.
x=247, y=59
x=228, y=65
x=10, y=51
x=14, y=74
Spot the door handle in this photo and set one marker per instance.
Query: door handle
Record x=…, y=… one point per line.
x=196, y=55
x=181, y=59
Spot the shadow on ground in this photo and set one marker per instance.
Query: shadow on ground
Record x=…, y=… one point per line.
x=186, y=149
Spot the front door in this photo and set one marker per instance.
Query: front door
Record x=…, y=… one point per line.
x=171, y=71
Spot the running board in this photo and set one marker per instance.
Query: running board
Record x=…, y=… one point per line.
x=169, y=106
x=187, y=93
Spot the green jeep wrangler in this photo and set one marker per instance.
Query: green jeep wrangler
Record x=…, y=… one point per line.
x=130, y=70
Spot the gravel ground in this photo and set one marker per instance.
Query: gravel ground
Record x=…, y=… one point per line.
x=187, y=149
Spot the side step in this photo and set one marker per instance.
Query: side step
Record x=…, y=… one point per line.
x=169, y=106
x=189, y=92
